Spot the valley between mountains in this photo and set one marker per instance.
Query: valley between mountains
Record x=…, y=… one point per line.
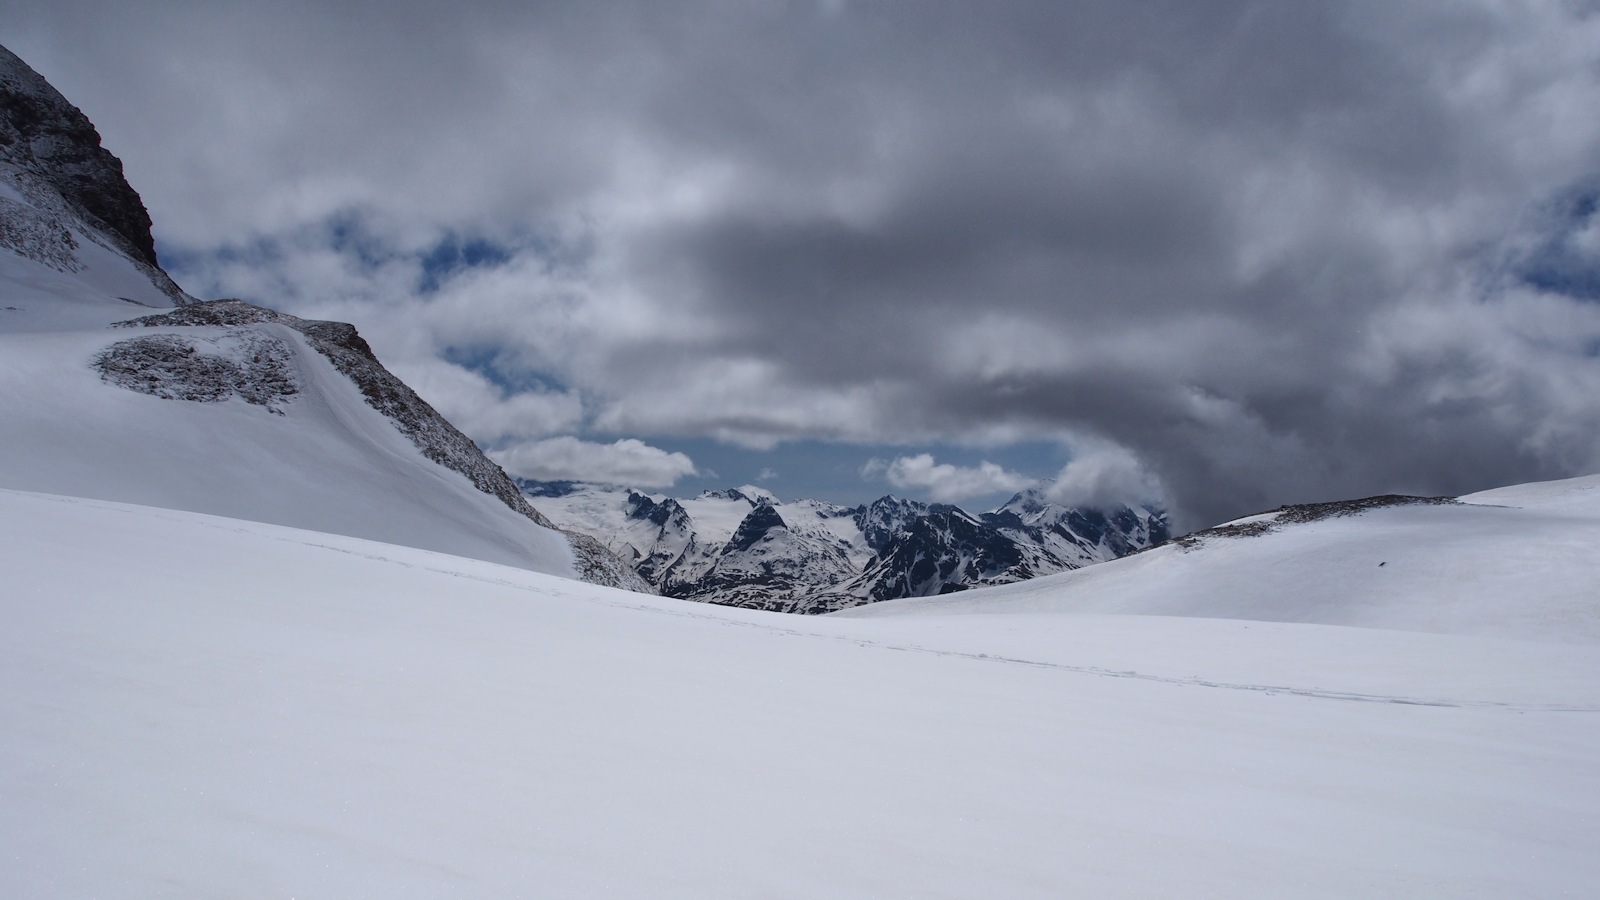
x=745, y=547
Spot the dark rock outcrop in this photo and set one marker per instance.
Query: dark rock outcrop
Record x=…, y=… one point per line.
x=42, y=133
x=50, y=154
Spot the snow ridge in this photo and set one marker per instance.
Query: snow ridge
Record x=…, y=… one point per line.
x=348, y=351
x=438, y=440
x=1296, y=514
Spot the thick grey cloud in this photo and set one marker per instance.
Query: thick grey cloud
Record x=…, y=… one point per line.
x=1245, y=253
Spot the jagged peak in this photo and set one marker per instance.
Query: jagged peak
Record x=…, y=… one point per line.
x=759, y=495
x=755, y=526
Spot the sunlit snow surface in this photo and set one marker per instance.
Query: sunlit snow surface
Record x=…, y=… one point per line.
x=1518, y=562
x=198, y=706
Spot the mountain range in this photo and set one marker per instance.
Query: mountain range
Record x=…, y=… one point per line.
x=744, y=547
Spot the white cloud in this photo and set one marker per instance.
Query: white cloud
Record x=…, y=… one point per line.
x=1249, y=249
x=626, y=462
x=487, y=412
x=943, y=482
x=1104, y=475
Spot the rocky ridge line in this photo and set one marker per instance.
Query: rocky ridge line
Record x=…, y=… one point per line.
x=50, y=154
x=809, y=556
x=438, y=440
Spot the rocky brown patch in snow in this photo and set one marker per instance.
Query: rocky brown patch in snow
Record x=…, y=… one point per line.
x=255, y=367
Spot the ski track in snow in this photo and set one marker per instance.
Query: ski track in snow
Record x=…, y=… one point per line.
x=690, y=611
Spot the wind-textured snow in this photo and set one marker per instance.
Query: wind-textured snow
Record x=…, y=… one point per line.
x=198, y=706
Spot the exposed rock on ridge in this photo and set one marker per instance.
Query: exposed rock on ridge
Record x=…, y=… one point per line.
x=348, y=351
x=438, y=440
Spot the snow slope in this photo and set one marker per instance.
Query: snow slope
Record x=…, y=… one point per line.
x=198, y=706
x=324, y=460
x=273, y=419
x=1519, y=562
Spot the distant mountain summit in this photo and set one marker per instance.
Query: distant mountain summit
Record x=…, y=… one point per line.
x=743, y=547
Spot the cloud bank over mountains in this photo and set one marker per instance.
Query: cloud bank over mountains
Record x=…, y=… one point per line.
x=1250, y=253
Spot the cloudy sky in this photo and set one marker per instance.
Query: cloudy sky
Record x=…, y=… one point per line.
x=1224, y=255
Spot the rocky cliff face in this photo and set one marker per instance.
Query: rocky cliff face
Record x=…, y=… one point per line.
x=50, y=155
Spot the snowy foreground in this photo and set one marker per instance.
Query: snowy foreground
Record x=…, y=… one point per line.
x=199, y=706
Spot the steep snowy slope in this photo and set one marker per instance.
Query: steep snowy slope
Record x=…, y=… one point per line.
x=318, y=458
x=223, y=407
x=1514, y=562
x=198, y=706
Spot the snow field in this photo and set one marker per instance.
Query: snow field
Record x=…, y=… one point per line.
x=1519, y=562
x=201, y=706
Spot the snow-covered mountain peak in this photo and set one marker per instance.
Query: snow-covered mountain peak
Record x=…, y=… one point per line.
x=1029, y=505
x=736, y=546
x=759, y=495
